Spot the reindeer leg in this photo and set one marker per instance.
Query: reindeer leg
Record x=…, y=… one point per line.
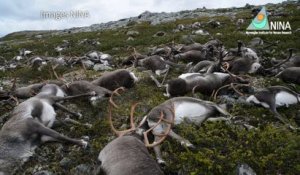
x=155, y=81
x=180, y=139
x=218, y=119
x=58, y=99
x=277, y=115
x=152, y=76
x=74, y=122
x=165, y=76
x=157, y=152
x=51, y=135
x=283, y=120
x=65, y=109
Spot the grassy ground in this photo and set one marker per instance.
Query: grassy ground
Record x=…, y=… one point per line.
x=271, y=149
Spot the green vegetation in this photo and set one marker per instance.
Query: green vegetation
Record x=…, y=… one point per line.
x=270, y=149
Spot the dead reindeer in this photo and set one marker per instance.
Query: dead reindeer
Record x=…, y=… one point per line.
x=155, y=66
x=164, y=52
x=206, y=84
x=273, y=97
x=37, y=63
x=28, y=91
x=236, y=51
x=245, y=52
x=185, y=109
x=194, y=56
x=55, y=90
x=127, y=154
x=194, y=46
x=243, y=65
x=290, y=75
x=29, y=126
x=82, y=86
x=22, y=92
x=201, y=67
x=99, y=57
x=209, y=49
x=257, y=41
x=290, y=61
x=115, y=79
x=277, y=67
x=293, y=62
x=130, y=60
x=207, y=66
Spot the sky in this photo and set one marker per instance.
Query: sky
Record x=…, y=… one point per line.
x=19, y=15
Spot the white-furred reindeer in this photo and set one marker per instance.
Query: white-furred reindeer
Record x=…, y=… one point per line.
x=185, y=109
x=29, y=125
x=179, y=109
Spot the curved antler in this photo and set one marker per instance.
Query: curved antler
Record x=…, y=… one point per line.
x=113, y=93
x=233, y=86
x=163, y=136
x=132, y=125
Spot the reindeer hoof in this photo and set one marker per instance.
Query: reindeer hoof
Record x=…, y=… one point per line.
x=79, y=115
x=161, y=162
x=84, y=143
x=93, y=93
x=166, y=95
x=293, y=128
x=85, y=138
x=189, y=145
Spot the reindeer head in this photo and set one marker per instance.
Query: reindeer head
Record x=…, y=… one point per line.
x=138, y=130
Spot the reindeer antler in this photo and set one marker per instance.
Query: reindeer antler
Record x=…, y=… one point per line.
x=132, y=125
x=233, y=86
x=65, y=82
x=163, y=136
x=113, y=93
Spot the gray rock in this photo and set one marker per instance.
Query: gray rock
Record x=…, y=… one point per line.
x=101, y=67
x=82, y=169
x=244, y=169
x=65, y=162
x=38, y=36
x=132, y=33
x=248, y=6
x=188, y=39
x=130, y=39
x=200, y=32
x=159, y=34
x=116, y=49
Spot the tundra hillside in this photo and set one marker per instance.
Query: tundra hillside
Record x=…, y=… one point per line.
x=220, y=147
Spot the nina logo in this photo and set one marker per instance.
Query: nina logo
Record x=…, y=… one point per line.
x=261, y=22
